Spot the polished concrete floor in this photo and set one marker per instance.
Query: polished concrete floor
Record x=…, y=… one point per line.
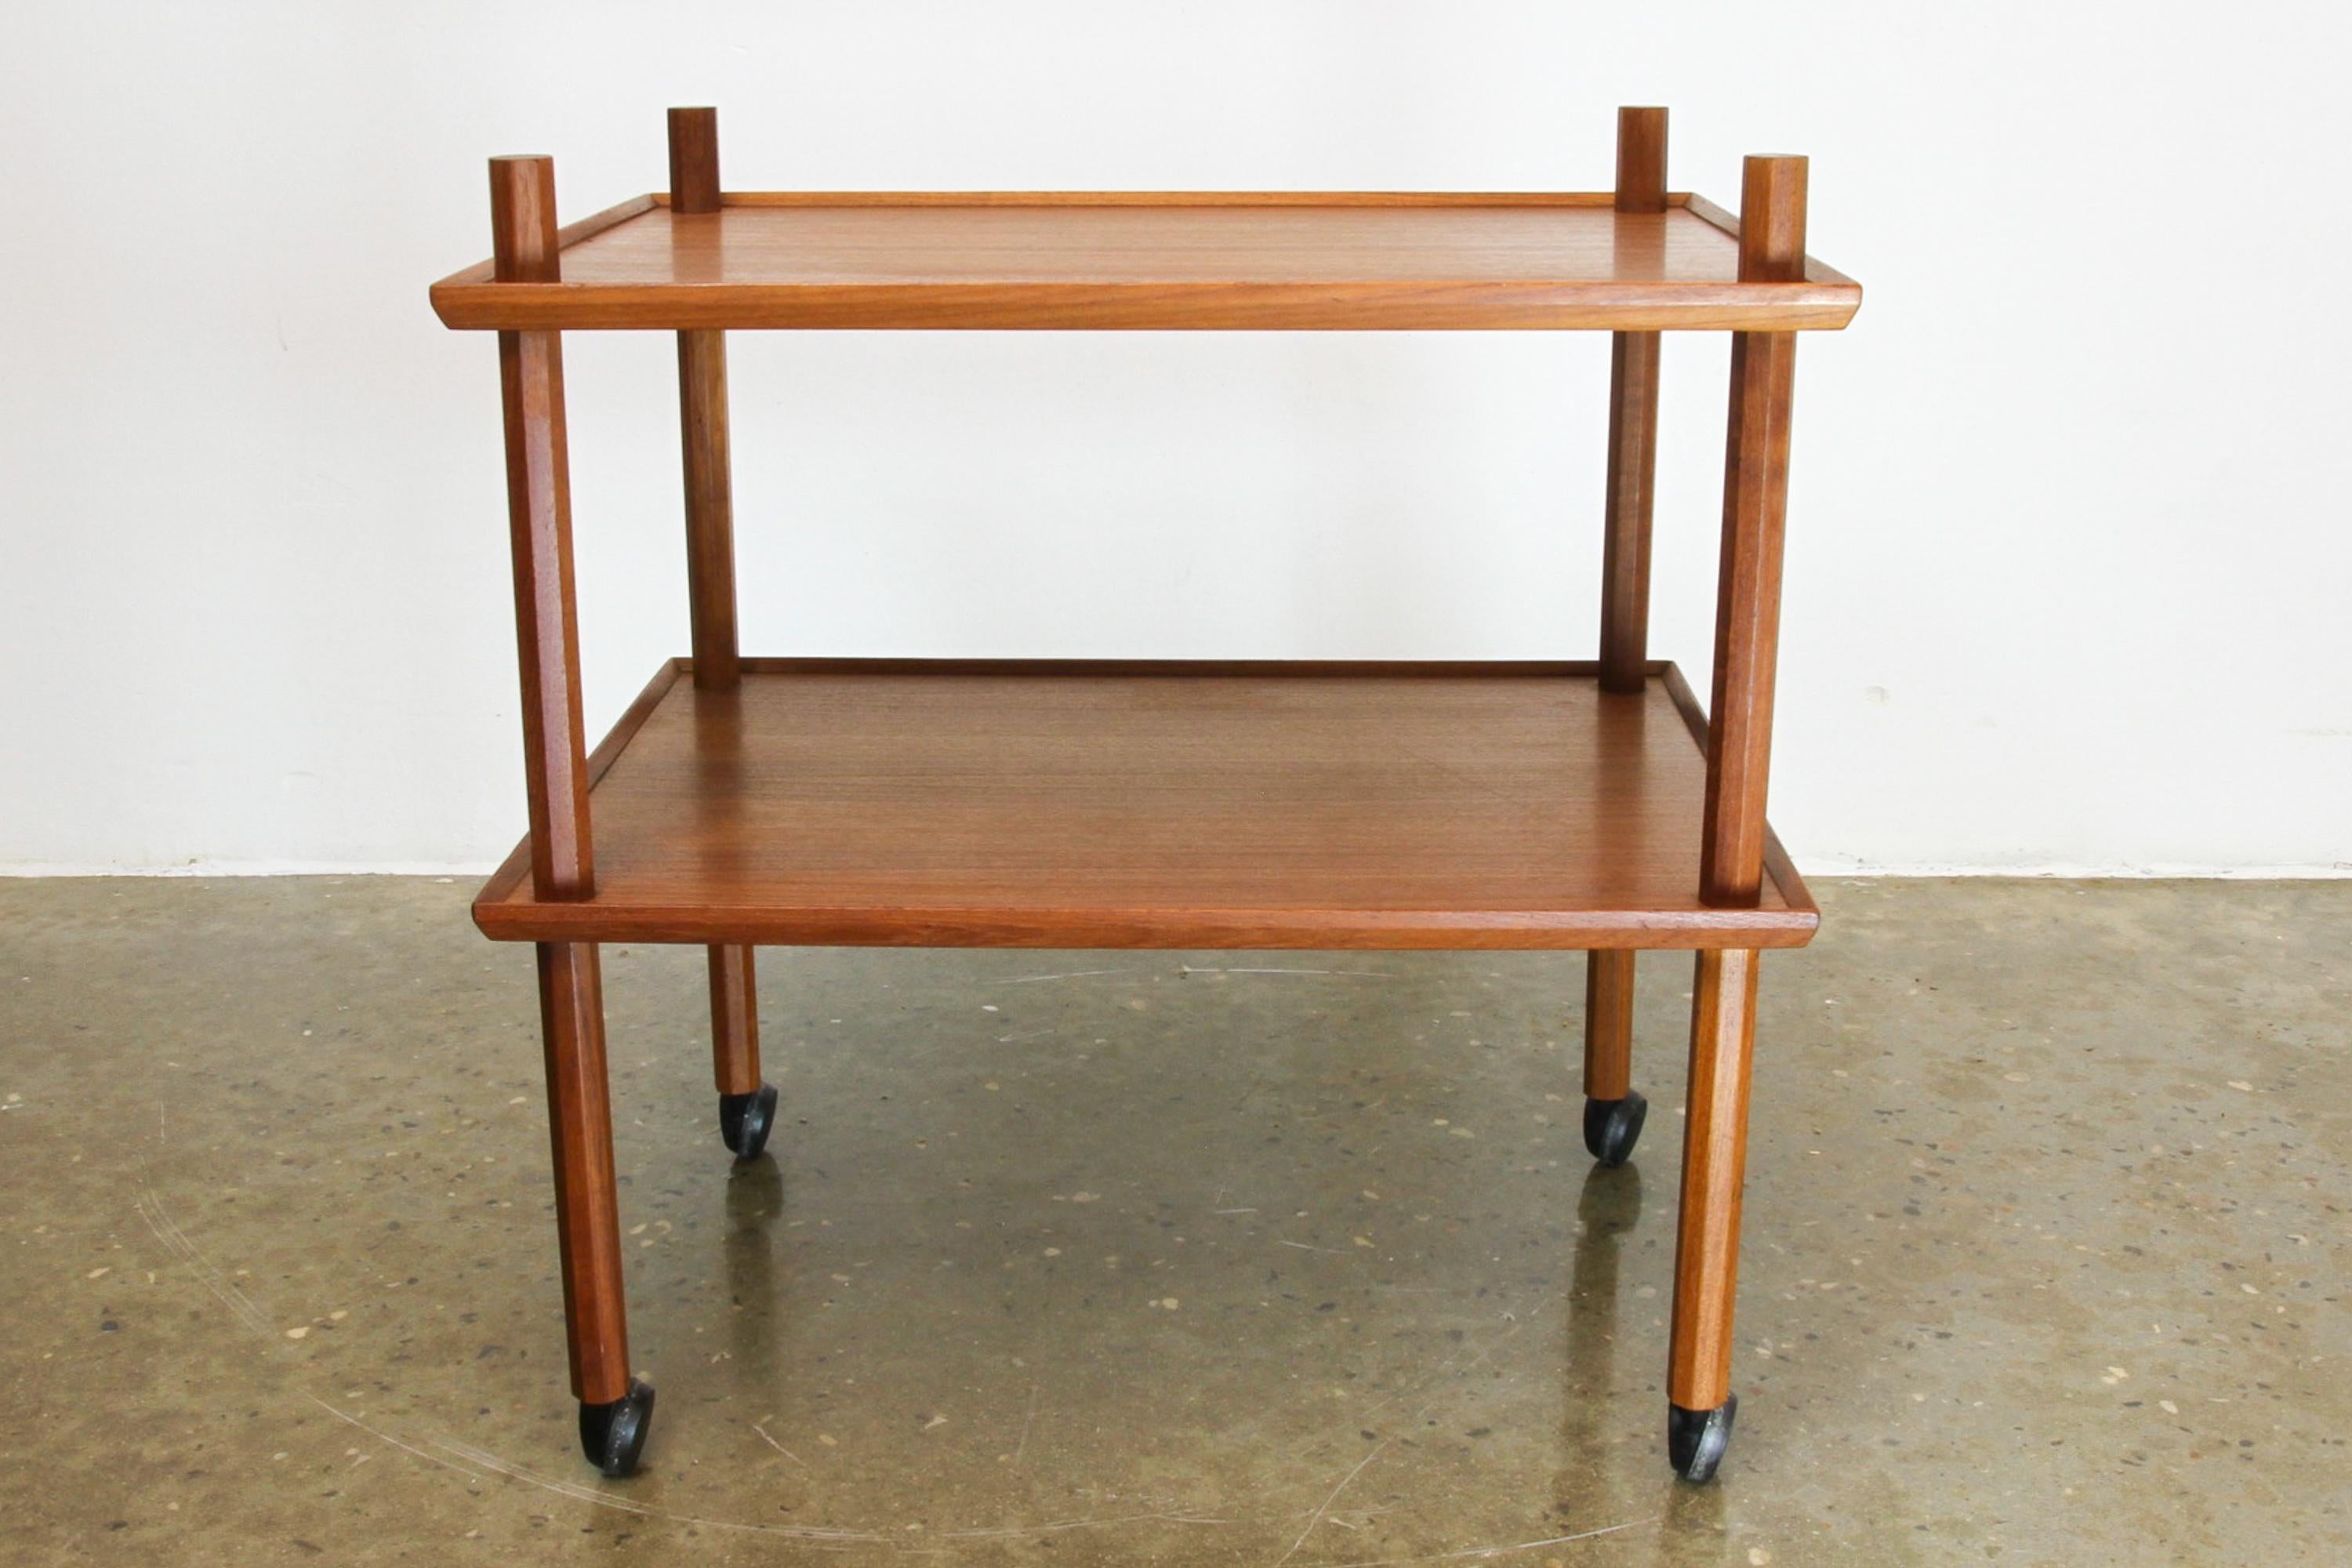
x=1236, y=1258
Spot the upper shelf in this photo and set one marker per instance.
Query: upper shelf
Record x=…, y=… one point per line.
x=1159, y=261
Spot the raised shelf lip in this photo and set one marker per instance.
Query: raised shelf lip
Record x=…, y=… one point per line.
x=505, y=911
x=1825, y=300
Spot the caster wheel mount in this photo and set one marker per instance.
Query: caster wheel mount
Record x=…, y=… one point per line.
x=1611, y=1127
x=614, y=1435
x=1696, y=1439
x=744, y=1121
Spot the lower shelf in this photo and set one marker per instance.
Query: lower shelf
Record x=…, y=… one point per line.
x=882, y=801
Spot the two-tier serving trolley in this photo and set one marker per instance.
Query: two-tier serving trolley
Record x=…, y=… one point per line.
x=744, y=801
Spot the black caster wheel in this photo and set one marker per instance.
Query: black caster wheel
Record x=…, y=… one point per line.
x=1696, y=1439
x=744, y=1121
x=1611, y=1127
x=614, y=1435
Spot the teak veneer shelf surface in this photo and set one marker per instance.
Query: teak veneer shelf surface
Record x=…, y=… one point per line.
x=1083, y=804
x=1152, y=261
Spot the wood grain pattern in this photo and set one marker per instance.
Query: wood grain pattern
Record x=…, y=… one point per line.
x=1146, y=803
x=710, y=568
x=587, y=1206
x=1633, y=474
x=1779, y=866
x=570, y=234
x=1715, y=1160
x=1173, y=199
x=539, y=513
x=1153, y=261
x=1625, y=576
x=1772, y=219
x=1641, y=160
x=1755, y=505
x=1608, y=1022
x=1633, y=468
x=734, y=1020
x=703, y=430
x=515, y=871
x=694, y=161
x=709, y=506
x=1699, y=207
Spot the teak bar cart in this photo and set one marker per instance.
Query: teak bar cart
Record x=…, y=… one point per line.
x=1173, y=805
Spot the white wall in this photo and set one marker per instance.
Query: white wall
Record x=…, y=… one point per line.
x=2069, y=543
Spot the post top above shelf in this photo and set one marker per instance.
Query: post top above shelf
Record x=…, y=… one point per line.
x=1152, y=261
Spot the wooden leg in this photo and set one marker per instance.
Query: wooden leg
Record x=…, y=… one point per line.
x=734, y=1021
x=747, y=1107
x=615, y=1411
x=587, y=1202
x=709, y=508
x=1613, y=1113
x=1754, y=517
x=1633, y=431
x=1706, y=1242
x=1608, y=1024
x=1732, y=833
x=1625, y=544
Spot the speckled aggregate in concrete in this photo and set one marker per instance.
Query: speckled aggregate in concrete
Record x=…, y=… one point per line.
x=1163, y=1258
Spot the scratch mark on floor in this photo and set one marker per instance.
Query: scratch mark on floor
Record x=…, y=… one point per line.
x=1073, y=974
x=1444, y=1366
x=1317, y=1516
x=1056, y=1526
x=149, y=1204
x=1022, y=1446
x=490, y=1461
x=1417, y=1416
x=383, y=1436
x=779, y=1448
x=1359, y=974
x=1497, y=1550
x=149, y=1207
x=1334, y=1251
x=815, y=1535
